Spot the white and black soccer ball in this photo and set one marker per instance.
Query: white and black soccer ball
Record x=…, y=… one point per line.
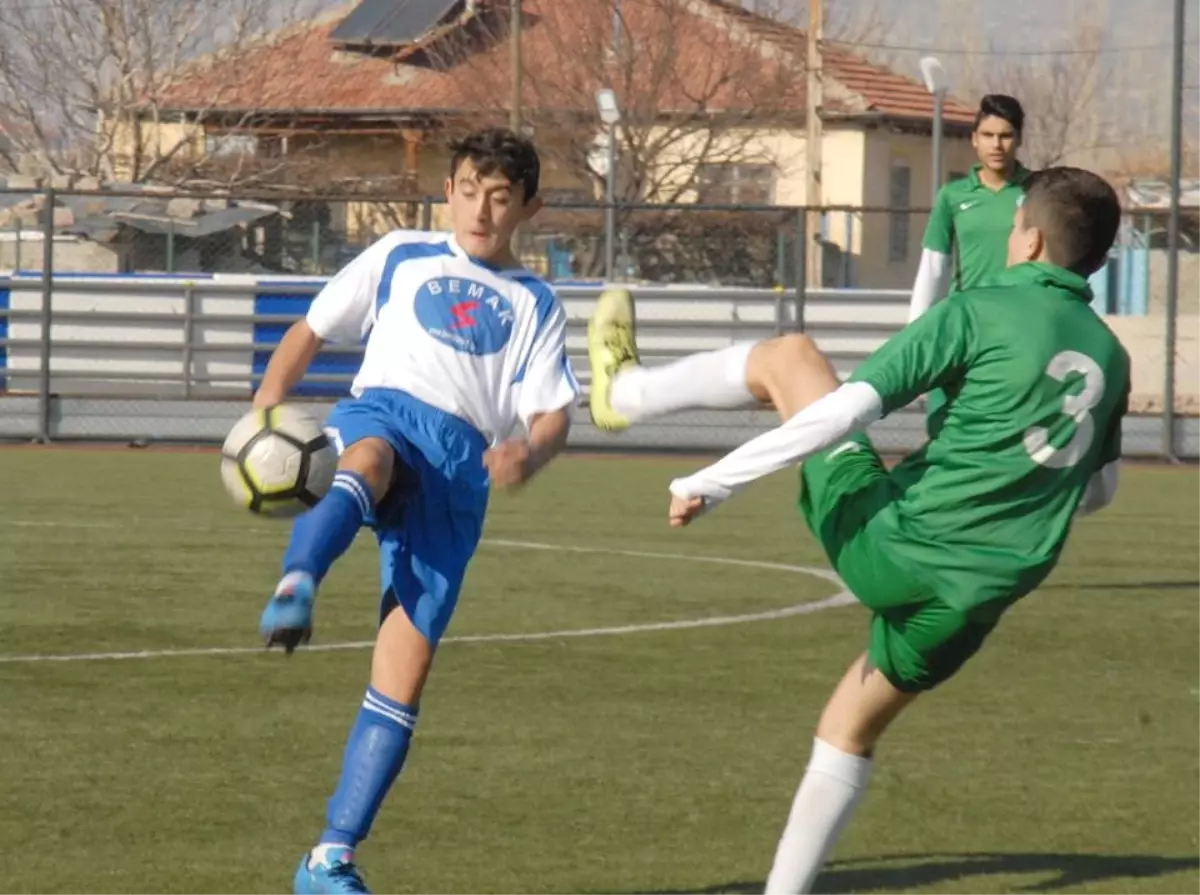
x=277, y=461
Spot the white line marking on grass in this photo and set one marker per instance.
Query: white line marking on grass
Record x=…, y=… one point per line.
x=841, y=598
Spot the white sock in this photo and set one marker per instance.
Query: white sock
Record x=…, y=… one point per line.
x=326, y=852
x=832, y=786
x=710, y=379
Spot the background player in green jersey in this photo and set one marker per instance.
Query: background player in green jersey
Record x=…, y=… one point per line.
x=966, y=238
x=939, y=547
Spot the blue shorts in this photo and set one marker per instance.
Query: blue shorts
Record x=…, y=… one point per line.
x=429, y=524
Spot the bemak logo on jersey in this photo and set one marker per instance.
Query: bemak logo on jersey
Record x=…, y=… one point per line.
x=466, y=315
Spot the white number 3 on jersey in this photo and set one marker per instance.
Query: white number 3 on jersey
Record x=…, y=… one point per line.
x=1079, y=407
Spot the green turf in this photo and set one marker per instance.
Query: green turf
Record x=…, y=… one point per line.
x=1063, y=757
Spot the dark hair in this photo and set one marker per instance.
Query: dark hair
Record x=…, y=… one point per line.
x=497, y=149
x=1078, y=214
x=1000, y=105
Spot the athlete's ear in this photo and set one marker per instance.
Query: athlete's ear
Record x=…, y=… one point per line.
x=449, y=187
x=1037, y=244
x=1024, y=243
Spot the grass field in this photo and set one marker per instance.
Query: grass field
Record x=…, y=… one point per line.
x=1063, y=758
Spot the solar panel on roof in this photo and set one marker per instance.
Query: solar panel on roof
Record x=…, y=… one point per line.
x=391, y=21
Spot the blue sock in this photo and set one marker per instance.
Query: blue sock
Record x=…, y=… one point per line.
x=326, y=531
x=374, y=756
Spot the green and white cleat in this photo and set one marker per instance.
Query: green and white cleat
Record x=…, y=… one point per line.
x=612, y=347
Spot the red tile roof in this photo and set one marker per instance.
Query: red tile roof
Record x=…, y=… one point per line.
x=707, y=56
x=891, y=94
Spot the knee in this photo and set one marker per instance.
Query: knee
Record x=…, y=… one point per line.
x=374, y=460
x=778, y=362
x=788, y=351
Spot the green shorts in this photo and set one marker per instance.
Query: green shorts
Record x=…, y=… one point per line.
x=848, y=499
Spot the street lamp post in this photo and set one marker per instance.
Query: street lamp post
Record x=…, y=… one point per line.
x=610, y=114
x=937, y=83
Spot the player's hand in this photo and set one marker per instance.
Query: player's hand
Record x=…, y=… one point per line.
x=508, y=463
x=684, y=509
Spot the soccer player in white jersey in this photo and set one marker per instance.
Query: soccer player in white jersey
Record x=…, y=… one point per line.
x=464, y=348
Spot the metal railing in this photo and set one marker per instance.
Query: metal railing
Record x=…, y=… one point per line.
x=206, y=308
x=177, y=359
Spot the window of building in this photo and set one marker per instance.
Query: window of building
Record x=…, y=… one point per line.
x=735, y=184
x=216, y=145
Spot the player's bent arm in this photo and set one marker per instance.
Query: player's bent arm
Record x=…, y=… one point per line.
x=548, y=393
x=849, y=409
x=547, y=437
x=933, y=277
x=1100, y=491
x=341, y=312
x=288, y=364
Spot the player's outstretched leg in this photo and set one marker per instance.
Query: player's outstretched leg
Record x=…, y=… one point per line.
x=861, y=708
x=374, y=754
x=323, y=534
x=788, y=372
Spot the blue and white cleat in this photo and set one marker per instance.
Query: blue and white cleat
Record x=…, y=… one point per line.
x=287, y=620
x=333, y=874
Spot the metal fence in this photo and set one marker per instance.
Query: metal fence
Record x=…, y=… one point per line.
x=145, y=231
x=133, y=317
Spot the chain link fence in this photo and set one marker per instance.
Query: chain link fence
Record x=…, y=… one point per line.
x=144, y=232
x=817, y=265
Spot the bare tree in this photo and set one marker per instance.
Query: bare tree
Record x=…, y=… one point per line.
x=847, y=22
x=1066, y=115
x=82, y=81
x=1155, y=162
x=1093, y=75
x=698, y=84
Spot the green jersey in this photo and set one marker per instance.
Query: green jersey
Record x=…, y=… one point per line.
x=1037, y=386
x=971, y=222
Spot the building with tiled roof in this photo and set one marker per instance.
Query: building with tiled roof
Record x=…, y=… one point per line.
x=713, y=100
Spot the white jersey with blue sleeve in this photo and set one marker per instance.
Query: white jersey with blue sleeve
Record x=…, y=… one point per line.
x=484, y=344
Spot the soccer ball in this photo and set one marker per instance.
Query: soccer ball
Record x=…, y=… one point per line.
x=277, y=462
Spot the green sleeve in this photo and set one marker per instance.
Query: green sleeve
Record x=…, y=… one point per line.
x=933, y=351
x=939, y=232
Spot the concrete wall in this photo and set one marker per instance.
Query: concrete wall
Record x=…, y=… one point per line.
x=1145, y=339
x=885, y=150
x=72, y=254
x=1189, y=282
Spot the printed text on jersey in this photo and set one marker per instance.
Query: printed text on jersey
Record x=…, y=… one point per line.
x=464, y=314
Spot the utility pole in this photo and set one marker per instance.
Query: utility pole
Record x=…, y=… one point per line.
x=1171, y=322
x=815, y=94
x=514, y=41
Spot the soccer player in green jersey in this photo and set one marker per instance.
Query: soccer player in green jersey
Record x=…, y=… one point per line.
x=966, y=238
x=939, y=547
